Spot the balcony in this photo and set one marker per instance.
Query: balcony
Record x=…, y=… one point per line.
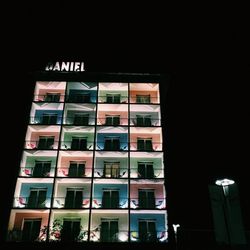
x=148, y=226
x=79, y=114
x=72, y=193
x=146, y=165
x=28, y=225
x=144, y=93
x=111, y=165
x=70, y=226
x=49, y=91
x=81, y=92
x=113, y=93
x=37, y=171
x=75, y=164
x=109, y=226
x=42, y=137
x=77, y=138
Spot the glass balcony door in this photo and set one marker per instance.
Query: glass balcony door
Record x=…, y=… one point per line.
x=74, y=197
x=81, y=119
x=145, y=170
x=78, y=96
x=146, y=198
x=45, y=142
x=147, y=231
x=144, y=144
x=112, y=120
x=31, y=229
x=109, y=230
x=52, y=97
x=76, y=169
x=143, y=120
x=142, y=98
x=112, y=143
x=113, y=98
x=49, y=118
x=37, y=198
x=70, y=230
x=42, y=168
x=79, y=143
x=110, y=199
x=111, y=169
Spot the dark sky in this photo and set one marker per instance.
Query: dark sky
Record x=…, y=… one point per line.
x=207, y=104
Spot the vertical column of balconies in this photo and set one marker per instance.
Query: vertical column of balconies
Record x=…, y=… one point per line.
x=73, y=184
x=33, y=194
x=148, y=221
x=109, y=215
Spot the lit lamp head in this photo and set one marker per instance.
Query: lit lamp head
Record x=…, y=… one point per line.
x=224, y=182
x=175, y=226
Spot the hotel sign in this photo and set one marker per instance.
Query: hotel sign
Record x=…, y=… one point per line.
x=65, y=66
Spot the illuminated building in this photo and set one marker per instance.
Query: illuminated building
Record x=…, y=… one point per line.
x=92, y=167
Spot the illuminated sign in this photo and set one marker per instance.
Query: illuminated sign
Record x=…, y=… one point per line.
x=65, y=66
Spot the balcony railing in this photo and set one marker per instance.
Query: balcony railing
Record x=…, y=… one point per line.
x=156, y=203
x=31, y=202
x=81, y=98
x=100, y=121
x=40, y=146
x=49, y=98
x=28, y=171
x=81, y=145
x=111, y=173
x=57, y=120
x=74, y=173
x=62, y=202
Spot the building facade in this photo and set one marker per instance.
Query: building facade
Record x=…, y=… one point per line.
x=92, y=167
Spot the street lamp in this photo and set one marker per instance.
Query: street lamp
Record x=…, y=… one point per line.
x=175, y=227
x=225, y=183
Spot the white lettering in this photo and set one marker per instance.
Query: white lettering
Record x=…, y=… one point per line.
x=77, y=66
x=65, y=66
x=57, y=66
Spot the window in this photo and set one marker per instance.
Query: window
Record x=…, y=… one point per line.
x=144, y=144
x=76, y=169
x=45, y=142
x=52, y=97
x=145, y=170
x=49, y=118
x=142, y=98
x=81, y=119
x=42, y=168
x=146, y=198
x=31, y=229
x=111, y=169
x=112, y=143
x=109, y=230
x=74, y=197
x=112, y=120
x=113, y=98
x=110, y=199
x=70, y=230
x=79, y=143
x=143, y=120
x=147, y=231
x=37, y=198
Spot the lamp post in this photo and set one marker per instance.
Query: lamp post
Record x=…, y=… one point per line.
x=226, y=206
x=175, y=227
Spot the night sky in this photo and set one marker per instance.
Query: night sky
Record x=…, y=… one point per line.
x=207, y=103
